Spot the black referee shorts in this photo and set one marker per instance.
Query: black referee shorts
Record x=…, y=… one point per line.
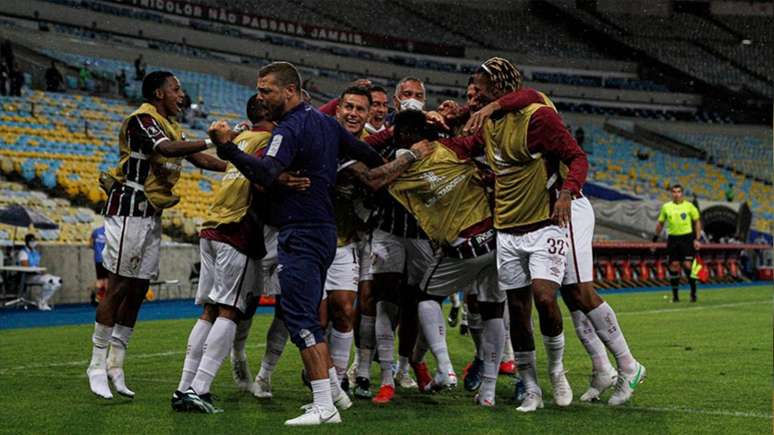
x=680, y=248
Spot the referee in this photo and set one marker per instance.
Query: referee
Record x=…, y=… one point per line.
x=683, y=232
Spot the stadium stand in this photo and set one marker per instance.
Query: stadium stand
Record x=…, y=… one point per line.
x=62, y=142
x=75, y=223
x=614, y=162
x=596, y=92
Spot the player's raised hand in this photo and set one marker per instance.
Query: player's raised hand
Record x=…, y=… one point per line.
x=291, y=181
x=561, y=215
x=478, y=119
x=423, y=148
x=220, y=132
x=449, y=108
x=362, y=83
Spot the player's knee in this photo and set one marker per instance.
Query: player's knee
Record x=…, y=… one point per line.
x=229, y=313
x=343, y=317
x=544, y=299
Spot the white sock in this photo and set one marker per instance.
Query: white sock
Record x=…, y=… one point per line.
x=508, y=348
x=526, y=365
x=119, y=341
x=240, y=338
x=100, y=341
x=276, y=338
x=335, y=383
x=476, y=328
x=609, y=331
x=340, y=346
x=434, y=327
x=385, y=338
x=193, y=353
x=555, y=353
x=587, y=335
x=321, y=392
x=216, y=348
x=455, y=300
x=491, y=349
x=403, y=364
x=367, y=343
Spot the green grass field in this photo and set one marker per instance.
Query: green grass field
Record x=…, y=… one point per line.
x=709, y=371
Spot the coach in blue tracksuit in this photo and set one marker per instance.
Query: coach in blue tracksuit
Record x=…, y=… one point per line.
x=308, y=143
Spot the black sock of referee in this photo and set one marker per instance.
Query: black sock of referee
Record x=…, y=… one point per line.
x=674, y=279
x=692, y=282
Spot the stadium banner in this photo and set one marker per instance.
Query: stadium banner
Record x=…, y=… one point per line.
x=258, y=22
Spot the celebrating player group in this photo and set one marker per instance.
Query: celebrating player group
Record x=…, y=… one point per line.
x=361, y=220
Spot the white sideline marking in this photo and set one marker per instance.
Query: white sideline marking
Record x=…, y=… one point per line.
x=85, y=362
x=720, y=413
x=693, y=308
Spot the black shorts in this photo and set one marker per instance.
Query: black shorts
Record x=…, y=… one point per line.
x=102, y=273
x=680, y=248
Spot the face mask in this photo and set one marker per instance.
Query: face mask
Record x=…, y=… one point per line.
x=32, y=244
x=411, y=104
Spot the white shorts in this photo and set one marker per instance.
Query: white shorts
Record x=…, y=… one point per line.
x=476, y=275
x=387, y=253
x=344, y=272
x=227, y=276
x=580, y=234
x=269, y=262
x=132, y=246
x=541, y=254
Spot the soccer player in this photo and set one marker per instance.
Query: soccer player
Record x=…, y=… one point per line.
x=230, y=248
x=396, y=245
x=151, y=146
x=307, y=141
x=595, y=321
x=532, y=205
x=683, y=227
x=342, y=279
x=445, y=193
x=379, y=109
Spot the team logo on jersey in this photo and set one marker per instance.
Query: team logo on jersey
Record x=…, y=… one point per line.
x=276, y=141
x=153, y=130
x=683, y=215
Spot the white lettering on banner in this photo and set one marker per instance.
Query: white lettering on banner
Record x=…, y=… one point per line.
x=191, y=9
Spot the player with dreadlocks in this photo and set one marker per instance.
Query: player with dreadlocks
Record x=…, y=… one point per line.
x=525, y=148
x=595, y=321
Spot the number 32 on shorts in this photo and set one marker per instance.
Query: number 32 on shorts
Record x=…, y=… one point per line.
x=556, y=246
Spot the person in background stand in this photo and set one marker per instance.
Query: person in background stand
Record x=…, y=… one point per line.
x=29, y=256
x=97, y=243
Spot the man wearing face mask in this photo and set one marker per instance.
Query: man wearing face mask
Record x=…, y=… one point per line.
x=29, y=256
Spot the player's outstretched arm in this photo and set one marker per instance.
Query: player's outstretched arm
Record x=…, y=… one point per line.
x=181, y=148
x=260, y=171
x=378, y=177
x=207, y=161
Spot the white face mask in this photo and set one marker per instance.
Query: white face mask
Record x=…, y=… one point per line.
x=32, y=244
x=411, y=104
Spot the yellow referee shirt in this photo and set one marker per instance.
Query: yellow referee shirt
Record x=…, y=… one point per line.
x=679, y=217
